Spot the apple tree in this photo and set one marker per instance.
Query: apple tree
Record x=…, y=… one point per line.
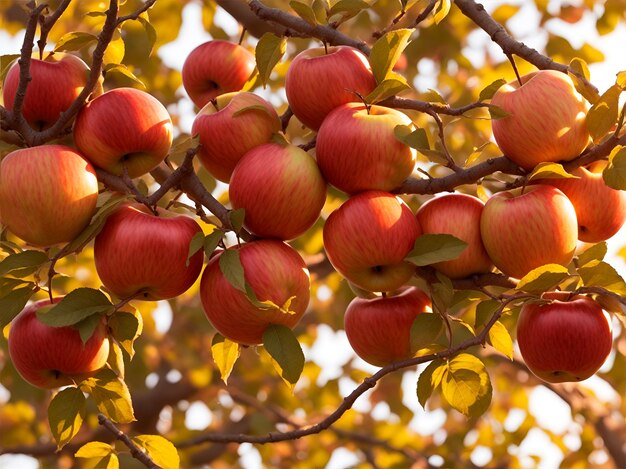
x=329, y=233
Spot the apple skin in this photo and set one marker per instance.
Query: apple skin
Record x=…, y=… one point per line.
x=367, y=239
x=547, y=120
x=51, y=357
x=214, y=68
x=225, y=137
x=56, y=83
x=600, y=209
x=48, y=194
x=357, y=150
x=317, y=82
x=379, y=329
x=124, y=127
x=567, y=339
x=523, y=232
x=457, y=215
x=138, y=251
x=274, y=271
x=281, y=189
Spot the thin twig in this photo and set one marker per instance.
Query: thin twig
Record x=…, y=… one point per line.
x=135, y=450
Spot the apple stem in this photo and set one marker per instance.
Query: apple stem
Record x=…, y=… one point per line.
x=368, y=106
x=243, y=34
x=517, y=75
x=325, y=47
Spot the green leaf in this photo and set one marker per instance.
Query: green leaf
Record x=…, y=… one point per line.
x=614, y=174
x=386, y=51
x=111, y=395
x=500, y=339
x=125, y=72
x=269, y=50
x=415, y=138
x=225, y=354
x=231, y=268
x=603, y=114
x=287, y=356
x=442, y=10
x=13, y=303
x=304, y=11
x=75, y=41
x=116, y=49
x=496, y=112
x=542, y=278
x=160, y=450
x=594, y=253
x=125, y=327
x=347, y=8
x=115, y=361
x=236, y=218
x=150, y=32
x=212, y=241
x=550, y=171
x=429, y=380
x=425, y=330
x=100, y=455
x=484, y=312
x=601, y=274
x=87, y=326
x=196, y=243
x=433, y=248
x=388, y=87
x=22, y=262
x=488, y=92
x=66, y=413
x=75, y=307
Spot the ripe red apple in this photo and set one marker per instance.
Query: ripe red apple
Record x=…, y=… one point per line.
x=567, y=339
x=281, y=189
x=523, y=230
x=318, y=81
x=275, y=272
x=48, y=194
x=367, y=239
x=457, y=215
x=379, y=329
x=214, y=68
x=357, y=149
x=124, y=127
x=139, y=252
x=50, y=357
x=231, y=126
x=600, y=209
x=56, y=83
x=547, y=120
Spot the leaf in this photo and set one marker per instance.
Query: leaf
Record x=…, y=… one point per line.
x=211, y=242
x=429, y=380
x=231, y=268
x=442, y=10
x=5, y=64
x=550, y=171
x=22, y=261
x=87, y=326
x=425, y=330
x=415, y=138
x=488, y=91
x=225, y=354
x=304, y=11
x=13, y=303
x=196, y=243
x=66, y=413
x=115, y=361
x=75, y=307
x=162, y=452
x=484, y=312
x=99, y=454
x=388, y=87
x=283, y=346
x=465, y=382
x=500, y=339
x=75, y=41
x=432, y=248
x=116, y=49
x=603, y=114
x=614, y=173
x=124, y=71
x=348, y=8
x=386, y=51
x=151, y=33
x=543, y=278
x=236, y=218
x=601, y=274
x=125, y=327
x=254, y=107
x=111, y=395
x=584, y=88
x=496, y=112
x=594, y=253
x=269, y=50
x=476, y=154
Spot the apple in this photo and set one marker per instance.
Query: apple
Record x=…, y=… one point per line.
x=600, y=209
x=525, y=229
x=139, y=253
x=319, y=80
x=367, y=239
x=566, y=339
x=275, y=272
x=56, y=83
x=457, y=215
x=357, y=149
x=124, y=128
x=379, y=329
x=214, y=68
x=281, y=189
x=546, y=122
x=48, y=194
x=51, y=357
x=229, y=127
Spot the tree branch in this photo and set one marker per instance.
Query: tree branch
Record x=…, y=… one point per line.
x=135, y=451
x=47, y=23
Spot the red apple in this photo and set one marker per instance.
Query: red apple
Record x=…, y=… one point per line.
x=567, y=339
x=457, y=215
x=547, y=120
x=50, y=357
x=56, y=83
x=367, y=239
x=48, y=194
x=318, y=81
x=231, y=126
x=523, y=230
x=379, y=329
x=214, y=68
x=275, y=272
x=141, y=253
x=600, y=210
x=357, y=149
x=124, y=128
x=281, y=189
